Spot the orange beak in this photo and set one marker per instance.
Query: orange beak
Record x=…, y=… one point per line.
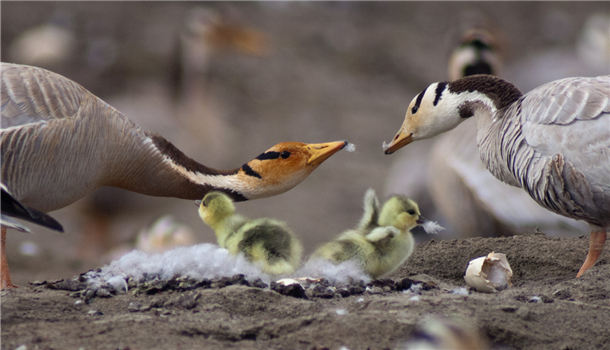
x=400, y=140
x=322, y=151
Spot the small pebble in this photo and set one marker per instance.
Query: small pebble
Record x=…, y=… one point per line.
x=460, y=291
x=134, y=307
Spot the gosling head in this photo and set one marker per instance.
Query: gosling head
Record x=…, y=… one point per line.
x=283, y=166
x=400, y=212
x=215, y=207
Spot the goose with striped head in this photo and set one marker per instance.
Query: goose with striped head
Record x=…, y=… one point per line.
x=61, y=142
x=553, y=141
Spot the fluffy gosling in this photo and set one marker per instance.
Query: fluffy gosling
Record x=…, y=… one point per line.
x=382, y=241
x=265, y=241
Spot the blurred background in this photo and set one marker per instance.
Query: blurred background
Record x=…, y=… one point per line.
x=226, y=81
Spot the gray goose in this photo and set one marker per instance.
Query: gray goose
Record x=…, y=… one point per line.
x=553, y=142
x=60, y=142
x=460, y=186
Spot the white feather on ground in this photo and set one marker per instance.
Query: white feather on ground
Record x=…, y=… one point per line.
x=342, y=273
x=199, y=262
x=210, y=261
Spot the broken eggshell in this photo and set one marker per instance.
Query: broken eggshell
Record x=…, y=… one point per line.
x=489, y=274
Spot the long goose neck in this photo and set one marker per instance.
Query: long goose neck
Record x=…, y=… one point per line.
x=151, y=165
x=494, y=103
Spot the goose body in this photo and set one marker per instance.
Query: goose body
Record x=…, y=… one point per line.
x=60, y=142
x=382, y=241
x=553, y=141
x=265, y=241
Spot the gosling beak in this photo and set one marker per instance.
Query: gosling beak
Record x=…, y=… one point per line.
x=400, y=140
x=422, y=220
x=322, y=151
x=198, y=202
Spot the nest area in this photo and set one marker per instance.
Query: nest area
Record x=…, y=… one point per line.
x=80, y=287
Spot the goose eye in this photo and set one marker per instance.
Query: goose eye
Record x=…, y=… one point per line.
x=285, y=154
x=411, y=212
x=414, y=110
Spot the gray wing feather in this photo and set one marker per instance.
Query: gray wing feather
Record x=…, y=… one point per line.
x=564, y=101
x=34, y=95
x=567, y=125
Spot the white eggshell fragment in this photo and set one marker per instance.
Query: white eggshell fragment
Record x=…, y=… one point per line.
x=489, y=274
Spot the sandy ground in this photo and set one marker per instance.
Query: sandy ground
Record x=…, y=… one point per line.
x=340, y=70
x=546, y=308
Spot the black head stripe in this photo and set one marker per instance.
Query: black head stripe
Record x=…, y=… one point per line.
x=268, y=155
x=440, y=87
x=418, y=100
x=479, y=44
x=249, y=171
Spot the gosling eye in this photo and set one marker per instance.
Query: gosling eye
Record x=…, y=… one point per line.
x=411, y=212
x=285, y=154
x=414, y=109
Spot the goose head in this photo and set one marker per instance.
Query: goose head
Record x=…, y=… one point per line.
x=284, y=166
x=400, y=212
x=272, y=172
x=443, y=106
x=430, y=113
x=477, y=54
x=215, y=207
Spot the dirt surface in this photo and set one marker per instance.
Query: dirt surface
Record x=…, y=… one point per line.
x=546, y=308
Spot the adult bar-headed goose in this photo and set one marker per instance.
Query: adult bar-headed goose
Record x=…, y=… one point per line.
x=553, y=142
x=12, y=208
x=460, y=186
x=60, y=142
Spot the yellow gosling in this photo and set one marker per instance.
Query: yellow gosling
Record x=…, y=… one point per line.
x=382, y=241
x=265, y=241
